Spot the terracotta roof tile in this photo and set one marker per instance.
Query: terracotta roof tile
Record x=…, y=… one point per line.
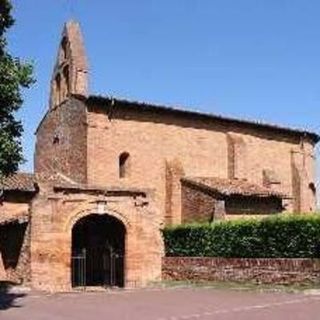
x=230, y=187
x=20, y=181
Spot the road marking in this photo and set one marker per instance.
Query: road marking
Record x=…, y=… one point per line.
x=238, y=309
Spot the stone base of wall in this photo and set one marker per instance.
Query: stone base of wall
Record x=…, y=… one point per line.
x=267, y=271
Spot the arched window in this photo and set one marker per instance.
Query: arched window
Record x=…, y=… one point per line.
x=57, y=97
x=313, y=193
x=124, y=162
x=64, y=49
x=66, y=82
x=312, y=187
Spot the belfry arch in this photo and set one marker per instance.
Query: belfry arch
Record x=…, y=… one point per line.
x=71, y=66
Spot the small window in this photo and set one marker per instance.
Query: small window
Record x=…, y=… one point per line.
x=66, y=82
x=312, y=187
x=56, y=139
x=124, y=164
x=64, y=49
x=57, y=97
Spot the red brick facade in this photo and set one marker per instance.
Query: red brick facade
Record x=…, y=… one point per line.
x=159, y=140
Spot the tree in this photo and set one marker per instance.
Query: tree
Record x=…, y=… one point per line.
x=14, y=76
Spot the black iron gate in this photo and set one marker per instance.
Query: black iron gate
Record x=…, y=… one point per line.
x=78, y=268
x=97, y=266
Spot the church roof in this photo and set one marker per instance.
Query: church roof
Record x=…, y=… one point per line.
x=20, y=181
x=232, y=187
x=145, y=106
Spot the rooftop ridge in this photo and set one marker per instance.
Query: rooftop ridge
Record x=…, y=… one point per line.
x=184, y=110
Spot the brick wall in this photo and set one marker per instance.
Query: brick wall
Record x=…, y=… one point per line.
x=61, y=141
x=275, y=271
x=154, y=139
x=248, y=205
x=15, y=206
x=196, y=205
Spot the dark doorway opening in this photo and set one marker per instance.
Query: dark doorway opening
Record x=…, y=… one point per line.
x=12, y=237
x=98, y=246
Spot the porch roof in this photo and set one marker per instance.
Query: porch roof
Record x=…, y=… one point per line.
x=229, y=187
x=20, y=181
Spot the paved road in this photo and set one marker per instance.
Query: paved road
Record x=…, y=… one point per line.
x=162, y=304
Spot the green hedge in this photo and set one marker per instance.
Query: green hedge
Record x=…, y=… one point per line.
x=288, y=236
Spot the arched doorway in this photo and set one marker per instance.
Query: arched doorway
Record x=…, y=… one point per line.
x=98, y=246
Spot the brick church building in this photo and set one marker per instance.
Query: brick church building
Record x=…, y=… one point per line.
x=110, y=173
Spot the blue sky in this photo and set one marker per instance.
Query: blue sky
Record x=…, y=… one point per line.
x=252, y=59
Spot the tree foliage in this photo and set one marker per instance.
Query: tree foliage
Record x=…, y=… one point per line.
x=14, y=75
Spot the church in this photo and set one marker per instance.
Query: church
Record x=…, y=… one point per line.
x=110, y=173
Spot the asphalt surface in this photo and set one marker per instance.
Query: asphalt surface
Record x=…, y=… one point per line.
x=161, y=304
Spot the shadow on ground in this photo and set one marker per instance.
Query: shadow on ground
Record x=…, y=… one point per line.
x=8, y=297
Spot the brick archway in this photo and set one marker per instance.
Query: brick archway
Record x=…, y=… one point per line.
x=100, y=209
x=93, y=208
x=53, y=245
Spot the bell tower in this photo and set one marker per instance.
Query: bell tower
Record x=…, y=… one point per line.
x=70, y=73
